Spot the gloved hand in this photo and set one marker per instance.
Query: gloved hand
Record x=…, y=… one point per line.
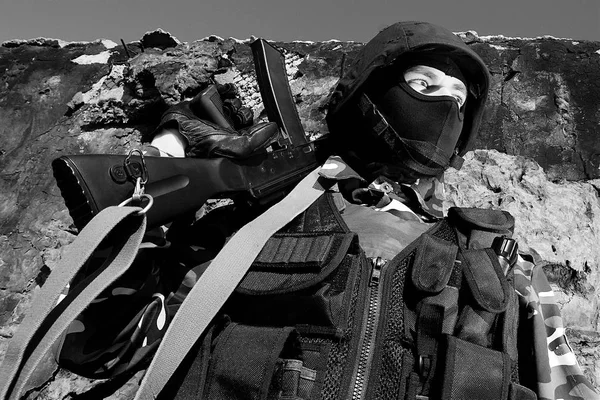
x=206, y=139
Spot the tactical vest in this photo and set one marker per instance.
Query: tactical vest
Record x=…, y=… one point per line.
x=316, y=319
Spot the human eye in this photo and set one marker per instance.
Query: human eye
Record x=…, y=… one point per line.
x=460, y=94
x=418, y=84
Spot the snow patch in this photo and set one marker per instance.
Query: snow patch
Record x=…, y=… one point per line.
x=109, y=44
x=41, y=41
x=240, y=41
x=100, y=58
x=495, y=46
x=212, y=38
x=253, y=38
x=502, y=37
x=99, y=92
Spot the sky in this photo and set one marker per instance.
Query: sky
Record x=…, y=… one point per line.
x=284, y=20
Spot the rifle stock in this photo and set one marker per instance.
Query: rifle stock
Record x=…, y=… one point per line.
x=90, y=183
x=177, y=185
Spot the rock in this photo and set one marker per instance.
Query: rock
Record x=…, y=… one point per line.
x=42, y=42
x=159, y=39
x=541, y=103
x=469, y=37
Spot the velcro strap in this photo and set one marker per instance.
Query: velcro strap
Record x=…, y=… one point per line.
x=434, y=260
x=295, y=251
x=486, y=279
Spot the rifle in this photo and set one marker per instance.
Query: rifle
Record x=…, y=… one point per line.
x=90, y=183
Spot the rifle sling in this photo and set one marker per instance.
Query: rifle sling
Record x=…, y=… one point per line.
x=26, y=350
x=219, y=281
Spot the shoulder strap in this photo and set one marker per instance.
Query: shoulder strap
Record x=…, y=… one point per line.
x=220, y=280
x=39, y=330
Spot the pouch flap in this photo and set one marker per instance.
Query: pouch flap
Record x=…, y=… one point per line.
x=485, y=279
x=477, y=228
x=434, y=260
x=482, y=219
x=294, y=261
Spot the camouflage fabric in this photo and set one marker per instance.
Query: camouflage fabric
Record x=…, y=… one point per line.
x=430, y=194
x=558, y=374
x=425, y=195
x=126, y=323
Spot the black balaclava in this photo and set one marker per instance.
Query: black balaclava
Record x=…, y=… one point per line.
x=384, y=127
x=427, y=127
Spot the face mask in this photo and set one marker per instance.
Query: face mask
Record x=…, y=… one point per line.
x=428, y=126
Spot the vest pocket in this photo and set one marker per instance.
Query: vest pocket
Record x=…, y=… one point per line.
x=250, y=362
x=471, y=371
x=300, y=280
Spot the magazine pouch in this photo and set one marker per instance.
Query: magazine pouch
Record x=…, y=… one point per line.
x=301, y=276
x=475, y=372
x=307, y=282
x=250, y=362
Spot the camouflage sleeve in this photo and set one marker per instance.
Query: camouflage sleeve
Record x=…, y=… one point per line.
x=558, y=373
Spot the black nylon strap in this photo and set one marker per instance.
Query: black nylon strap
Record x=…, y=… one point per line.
x=434, y=260
x=430, y=321
x=486, y=280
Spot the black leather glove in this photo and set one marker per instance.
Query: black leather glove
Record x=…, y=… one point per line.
x=206, y=139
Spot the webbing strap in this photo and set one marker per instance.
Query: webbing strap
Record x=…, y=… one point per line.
x=219, y=280
x=23, y=354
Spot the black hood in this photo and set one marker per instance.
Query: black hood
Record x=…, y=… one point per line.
x=395, y=45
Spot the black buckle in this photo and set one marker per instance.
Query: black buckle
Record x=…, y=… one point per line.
x=378, y=123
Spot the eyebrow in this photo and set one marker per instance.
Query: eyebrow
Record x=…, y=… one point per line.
x=425, y=72
x=462, y=88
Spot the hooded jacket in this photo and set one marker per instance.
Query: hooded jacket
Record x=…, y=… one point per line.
x=394, y=45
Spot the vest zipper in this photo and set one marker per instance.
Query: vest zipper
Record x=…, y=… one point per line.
x=368, y=331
